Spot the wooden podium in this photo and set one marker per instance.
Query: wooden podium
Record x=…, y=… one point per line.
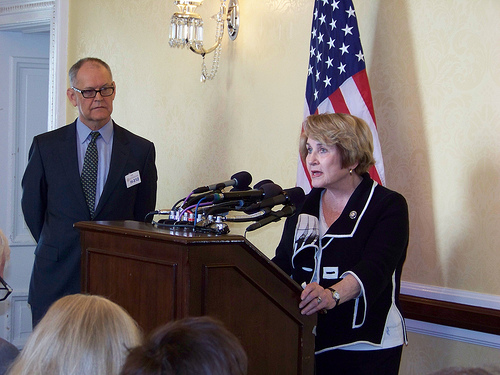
x=159, y=274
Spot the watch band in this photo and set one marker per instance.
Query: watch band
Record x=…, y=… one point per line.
x=335, y=295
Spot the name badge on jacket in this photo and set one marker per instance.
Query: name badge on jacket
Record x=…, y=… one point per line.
x=132, y=179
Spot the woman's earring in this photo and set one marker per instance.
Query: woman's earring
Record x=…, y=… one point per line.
x=350, y=172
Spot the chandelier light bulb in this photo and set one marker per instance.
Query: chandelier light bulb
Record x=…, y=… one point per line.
x=188, y=6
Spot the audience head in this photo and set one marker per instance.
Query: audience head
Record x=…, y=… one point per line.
x=79, y=335
x=190, y=346
x=349, y=133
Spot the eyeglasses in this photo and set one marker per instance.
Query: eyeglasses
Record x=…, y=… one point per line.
x=88, y=94
x=5, y=290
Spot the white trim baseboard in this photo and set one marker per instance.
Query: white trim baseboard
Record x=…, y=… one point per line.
x=463, y=297
x=456, y=296
x=452, y=333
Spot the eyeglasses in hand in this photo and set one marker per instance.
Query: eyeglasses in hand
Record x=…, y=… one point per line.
x=88, y=94
x=5, y=290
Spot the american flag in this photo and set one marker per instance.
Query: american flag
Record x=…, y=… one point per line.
x=336, y=78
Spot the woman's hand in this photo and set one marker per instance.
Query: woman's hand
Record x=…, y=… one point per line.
x=315, y=298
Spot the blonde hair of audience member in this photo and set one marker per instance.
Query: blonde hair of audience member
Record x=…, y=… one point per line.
x=349, y=133
x=190, y=346
x=79, y=335
x=4, y=252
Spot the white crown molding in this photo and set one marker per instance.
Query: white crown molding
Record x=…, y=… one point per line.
x=26, y=16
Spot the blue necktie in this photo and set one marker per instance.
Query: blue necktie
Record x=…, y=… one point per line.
x=89, y=173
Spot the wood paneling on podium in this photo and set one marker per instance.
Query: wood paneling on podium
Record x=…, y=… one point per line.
x=159, y=274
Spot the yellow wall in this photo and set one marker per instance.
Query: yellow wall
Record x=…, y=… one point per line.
x=435, y=77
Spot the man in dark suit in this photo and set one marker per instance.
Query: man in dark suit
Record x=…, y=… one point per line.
x=56, y=194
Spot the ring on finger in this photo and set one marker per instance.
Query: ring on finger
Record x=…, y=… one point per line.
x=319, y=300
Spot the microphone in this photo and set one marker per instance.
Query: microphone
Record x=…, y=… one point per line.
x=240, y=180
x=235, y=200
x=273, y=216
x=247, y=217
x=263, y=182
x=293, y=195
x=266, y=190
x=216, y=209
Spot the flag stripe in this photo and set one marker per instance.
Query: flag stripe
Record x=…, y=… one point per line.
x=302, y=175
x=361, y=80
x=374, y=173
x=358, y=106
x=338, y=102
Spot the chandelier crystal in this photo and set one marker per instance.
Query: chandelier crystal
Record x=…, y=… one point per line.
x=186, y=26
x=186, y=30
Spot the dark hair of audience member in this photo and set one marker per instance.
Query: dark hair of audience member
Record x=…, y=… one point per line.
x=190, y=346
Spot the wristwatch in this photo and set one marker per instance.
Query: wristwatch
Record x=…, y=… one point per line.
x=335, y=295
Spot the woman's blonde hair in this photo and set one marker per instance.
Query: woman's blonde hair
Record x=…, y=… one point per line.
x=4, y=252
x=349, y=133
x=80, y=334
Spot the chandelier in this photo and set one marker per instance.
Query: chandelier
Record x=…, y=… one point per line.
x=186, y=30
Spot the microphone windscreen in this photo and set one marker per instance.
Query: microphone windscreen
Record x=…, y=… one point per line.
x=263, y=182
x=271, y=190
x=295, y=195
x=243, y=179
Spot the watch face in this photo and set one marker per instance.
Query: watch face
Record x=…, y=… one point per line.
x=335, y=295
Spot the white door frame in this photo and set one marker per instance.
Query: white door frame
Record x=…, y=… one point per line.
x=37, y=15
x=33, y=16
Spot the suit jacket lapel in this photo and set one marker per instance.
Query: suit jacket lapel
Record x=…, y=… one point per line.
x=119, y=157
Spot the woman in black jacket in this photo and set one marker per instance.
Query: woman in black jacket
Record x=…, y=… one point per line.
x=346, y=245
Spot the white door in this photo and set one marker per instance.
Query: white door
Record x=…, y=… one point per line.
x=24, y=91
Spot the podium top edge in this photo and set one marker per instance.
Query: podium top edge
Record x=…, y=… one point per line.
x=141, y=229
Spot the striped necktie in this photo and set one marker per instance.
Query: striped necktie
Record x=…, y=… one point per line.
x=89, y=173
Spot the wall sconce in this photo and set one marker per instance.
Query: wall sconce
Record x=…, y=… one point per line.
x=186, y=30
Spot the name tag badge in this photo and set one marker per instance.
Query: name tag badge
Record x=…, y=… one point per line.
x=132, y=179
x=330, y=273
